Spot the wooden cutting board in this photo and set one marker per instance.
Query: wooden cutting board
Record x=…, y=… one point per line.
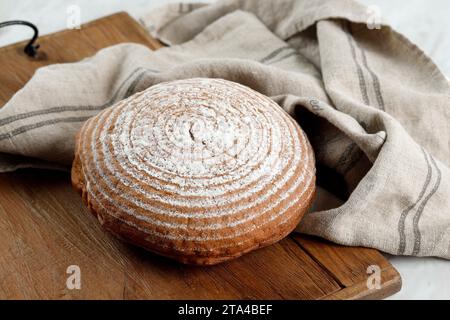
x=44, y=227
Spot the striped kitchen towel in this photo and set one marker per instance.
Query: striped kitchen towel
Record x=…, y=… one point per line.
x=376, y=109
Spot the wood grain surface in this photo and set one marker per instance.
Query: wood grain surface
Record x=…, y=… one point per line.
x=44, y=227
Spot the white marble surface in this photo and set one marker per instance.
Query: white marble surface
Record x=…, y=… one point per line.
x=425, y=22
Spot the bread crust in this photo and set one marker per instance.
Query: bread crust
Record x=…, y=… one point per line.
x=191, y=233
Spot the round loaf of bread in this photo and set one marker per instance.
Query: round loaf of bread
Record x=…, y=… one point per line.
x=199, y=170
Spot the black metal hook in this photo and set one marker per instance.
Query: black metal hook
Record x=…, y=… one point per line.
x=31, y=48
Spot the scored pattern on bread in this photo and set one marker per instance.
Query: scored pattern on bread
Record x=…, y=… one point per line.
x=200, y=170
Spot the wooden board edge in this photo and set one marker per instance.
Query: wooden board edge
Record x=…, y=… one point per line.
x=391, y=279
x=153, y=43
x=391, y=283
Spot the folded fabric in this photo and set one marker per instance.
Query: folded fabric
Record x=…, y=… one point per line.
x=375, y=108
